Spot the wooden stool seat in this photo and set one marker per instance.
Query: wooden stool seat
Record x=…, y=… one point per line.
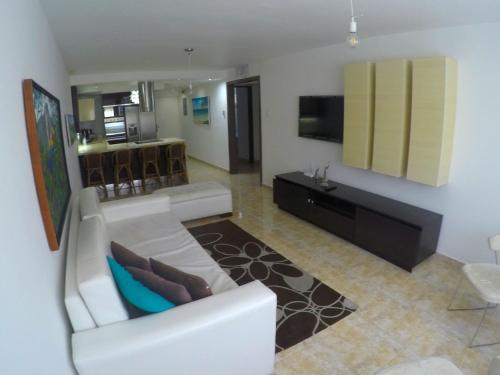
x=95, y=171
x=122, y=169
x=149, y=158
x=176, y=162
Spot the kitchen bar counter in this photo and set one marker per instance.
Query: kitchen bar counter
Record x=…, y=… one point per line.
x=97, y=147
x=107, y=150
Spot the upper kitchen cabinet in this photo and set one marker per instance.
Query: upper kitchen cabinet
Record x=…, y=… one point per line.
x=86, y=109
x=434, y=94
x=358, y=114
x=392, y=117
x=116, y=98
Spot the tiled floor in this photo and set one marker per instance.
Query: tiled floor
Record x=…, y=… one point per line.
x=401, y=316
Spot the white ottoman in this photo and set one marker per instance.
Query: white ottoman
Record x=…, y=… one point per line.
x=202, y=199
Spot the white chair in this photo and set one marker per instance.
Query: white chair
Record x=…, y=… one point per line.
x=485, y=278
x=433, y=366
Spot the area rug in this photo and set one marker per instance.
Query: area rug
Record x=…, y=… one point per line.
x=306, y=306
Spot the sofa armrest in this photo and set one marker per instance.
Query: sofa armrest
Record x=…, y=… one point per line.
x=224, y=334
x=130, y=208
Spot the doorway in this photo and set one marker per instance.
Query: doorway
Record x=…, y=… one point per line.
x=244, y=126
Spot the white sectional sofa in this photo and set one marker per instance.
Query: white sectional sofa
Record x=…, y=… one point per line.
x=230, y=332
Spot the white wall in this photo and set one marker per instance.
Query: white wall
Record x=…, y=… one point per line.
x=167, y=114
x=208, y=143
x=34, y=330
x=470, y=202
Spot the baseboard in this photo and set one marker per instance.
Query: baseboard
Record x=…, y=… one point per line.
x=210, y=164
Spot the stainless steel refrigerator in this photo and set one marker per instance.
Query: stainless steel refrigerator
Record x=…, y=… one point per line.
x=141, y=126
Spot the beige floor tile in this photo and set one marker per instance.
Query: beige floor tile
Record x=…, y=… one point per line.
x=401, y=316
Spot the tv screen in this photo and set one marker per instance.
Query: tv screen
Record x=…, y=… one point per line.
x=322, y=117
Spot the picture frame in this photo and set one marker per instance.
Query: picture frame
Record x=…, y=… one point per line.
x=70, y=129
x=201, y=110
x=48, y=158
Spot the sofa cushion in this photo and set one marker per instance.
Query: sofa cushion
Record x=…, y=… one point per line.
x=169, y=290
x=95, y=282
x=135, y=292
x=89, y=204
x=128, y=258
x=196, y=286
x=165, y=239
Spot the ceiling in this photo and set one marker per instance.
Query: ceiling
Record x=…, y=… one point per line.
x=97, y=36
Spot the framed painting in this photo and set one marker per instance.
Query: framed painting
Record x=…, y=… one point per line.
x=201, y=110
x=48, y=160
x=70, y=129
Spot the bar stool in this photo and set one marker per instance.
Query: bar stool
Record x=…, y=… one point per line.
x=123, y=170
x=176, y=162
x=149, y=160
x=95, y=172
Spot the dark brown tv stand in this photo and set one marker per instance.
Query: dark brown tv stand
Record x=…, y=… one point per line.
x=402, y=234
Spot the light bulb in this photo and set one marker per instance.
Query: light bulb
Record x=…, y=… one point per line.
x=353, y=40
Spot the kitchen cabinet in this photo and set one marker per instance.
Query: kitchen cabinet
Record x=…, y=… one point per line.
x=86, y=109
x=434, y=95
x=392, y=117
x=358, y=115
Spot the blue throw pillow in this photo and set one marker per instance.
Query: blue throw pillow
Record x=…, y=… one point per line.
x=136, y=293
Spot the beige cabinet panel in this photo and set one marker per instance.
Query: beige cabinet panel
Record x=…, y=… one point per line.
x=392, y=117
x=86, y=109
x=358, y=115
x=434, y=93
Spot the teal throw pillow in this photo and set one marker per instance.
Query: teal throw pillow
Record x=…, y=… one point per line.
x=136, y=293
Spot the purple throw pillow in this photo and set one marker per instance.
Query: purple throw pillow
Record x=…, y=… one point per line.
x=169, y=290
x=195, y=285
x=128, y=258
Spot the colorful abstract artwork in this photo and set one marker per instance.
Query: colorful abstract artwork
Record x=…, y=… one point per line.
x=70, y=129
x=201, y=110
x=44, y=128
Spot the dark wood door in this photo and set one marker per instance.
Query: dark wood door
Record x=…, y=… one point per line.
x=388, y=238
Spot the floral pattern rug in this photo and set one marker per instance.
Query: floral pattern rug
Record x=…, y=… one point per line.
x=306, y=306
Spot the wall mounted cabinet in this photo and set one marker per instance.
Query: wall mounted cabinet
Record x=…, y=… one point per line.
x=358, y=115
x=86, y=109
x=434, y=94
x=392, y=117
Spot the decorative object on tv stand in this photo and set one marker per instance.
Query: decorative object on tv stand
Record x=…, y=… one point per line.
x=44, y=128
x=201, y=110
x=353, y=38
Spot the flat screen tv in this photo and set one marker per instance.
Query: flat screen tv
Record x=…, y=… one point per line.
x=322, y=117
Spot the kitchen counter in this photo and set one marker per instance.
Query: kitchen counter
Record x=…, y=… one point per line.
x=103, y=146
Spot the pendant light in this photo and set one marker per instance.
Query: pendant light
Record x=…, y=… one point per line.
x=353, y=38
x=189, y=52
